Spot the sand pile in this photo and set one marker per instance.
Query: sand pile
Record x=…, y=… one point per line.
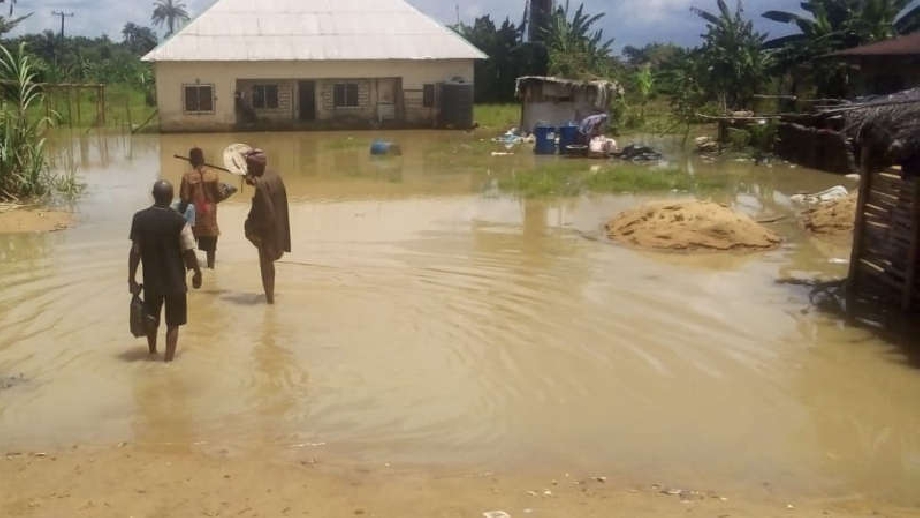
x=834, y=218
x=689, y=225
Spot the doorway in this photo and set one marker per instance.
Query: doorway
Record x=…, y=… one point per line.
x=307, y=99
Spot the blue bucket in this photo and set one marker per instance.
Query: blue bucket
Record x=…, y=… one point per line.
x=545, y=137
x=568, y=135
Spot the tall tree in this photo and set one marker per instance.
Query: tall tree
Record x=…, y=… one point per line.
x=509, y=57
x=171, y=12
x=576, y=48
x=139, y=39
x=8, y=24
x=733, y=55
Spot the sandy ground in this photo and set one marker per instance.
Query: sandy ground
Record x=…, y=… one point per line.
x=133, y=482
x=15, y=220
x=834, y=219
x=689, y=225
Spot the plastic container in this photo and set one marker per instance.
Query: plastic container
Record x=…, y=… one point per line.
x=568, y=136
x=545, y=140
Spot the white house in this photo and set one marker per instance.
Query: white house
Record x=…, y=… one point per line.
x=313, y=63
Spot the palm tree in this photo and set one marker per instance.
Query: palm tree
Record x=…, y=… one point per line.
x=169, y=11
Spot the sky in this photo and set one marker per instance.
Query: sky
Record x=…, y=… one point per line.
x=629, y=22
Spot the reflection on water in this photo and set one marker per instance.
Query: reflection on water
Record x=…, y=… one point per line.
x=424, y=318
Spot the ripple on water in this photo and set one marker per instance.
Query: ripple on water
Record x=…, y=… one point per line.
x=455, y=329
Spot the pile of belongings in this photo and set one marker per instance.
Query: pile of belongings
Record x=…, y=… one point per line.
x=639, y=154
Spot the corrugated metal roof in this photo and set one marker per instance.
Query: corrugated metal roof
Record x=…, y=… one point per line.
x=904, y=46
x=309, y=30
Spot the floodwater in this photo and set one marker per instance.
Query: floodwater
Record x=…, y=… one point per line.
x=425, y=318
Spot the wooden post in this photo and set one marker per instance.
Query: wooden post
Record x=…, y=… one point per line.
x=128, y=114
x=865, y=186
x=79, y=96
x=69, y=107
x=910, y=278
x=102, y=104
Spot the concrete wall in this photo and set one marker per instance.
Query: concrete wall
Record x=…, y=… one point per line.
x=172, y=76
x=555, y=113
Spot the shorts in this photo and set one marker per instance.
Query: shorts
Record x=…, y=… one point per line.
x=176, y=308
x=207, y=243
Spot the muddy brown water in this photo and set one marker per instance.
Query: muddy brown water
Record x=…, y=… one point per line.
x=425, y=318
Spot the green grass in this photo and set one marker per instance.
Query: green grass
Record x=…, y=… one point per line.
x=497, y=117
x=124, y=107
x=564, y=179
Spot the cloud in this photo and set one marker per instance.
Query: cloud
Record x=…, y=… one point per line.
x=629, y=22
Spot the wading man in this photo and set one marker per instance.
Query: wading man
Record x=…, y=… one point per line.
x=268, y=226
x=201, y=187
x=161, y=242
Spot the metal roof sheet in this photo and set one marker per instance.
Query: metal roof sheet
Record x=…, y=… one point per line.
x=902, y=46
x=312, y=30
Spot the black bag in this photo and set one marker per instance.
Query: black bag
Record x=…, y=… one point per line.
x=138, y=316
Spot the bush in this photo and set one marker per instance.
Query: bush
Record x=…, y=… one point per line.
x=738, y=139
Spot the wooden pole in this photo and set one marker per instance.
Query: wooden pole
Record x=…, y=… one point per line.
x=79, y=96
x=101, y=104
x=69, y=107
x=128, y=114
x=908, y=293
x=865, y=187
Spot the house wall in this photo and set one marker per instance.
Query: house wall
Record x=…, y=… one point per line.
x=171, y=76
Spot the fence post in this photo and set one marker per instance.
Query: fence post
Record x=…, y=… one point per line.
x=865, y=186
x=102, y=103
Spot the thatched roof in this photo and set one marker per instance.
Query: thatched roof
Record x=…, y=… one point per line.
x=888, y=123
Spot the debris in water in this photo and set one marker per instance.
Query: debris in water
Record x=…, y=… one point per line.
x=601, y=479
x=834, y=193
x=837, y=260
x=496, y=514
x=532, y=493
x=547, y=492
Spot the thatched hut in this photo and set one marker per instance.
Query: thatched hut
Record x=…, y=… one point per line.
x=884, y=260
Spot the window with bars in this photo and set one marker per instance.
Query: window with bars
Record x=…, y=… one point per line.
x=345, y=95
x=265, y=97
x=199, y=98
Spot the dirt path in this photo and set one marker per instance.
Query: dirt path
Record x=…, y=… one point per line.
x=16, y=220
x=132, y=482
